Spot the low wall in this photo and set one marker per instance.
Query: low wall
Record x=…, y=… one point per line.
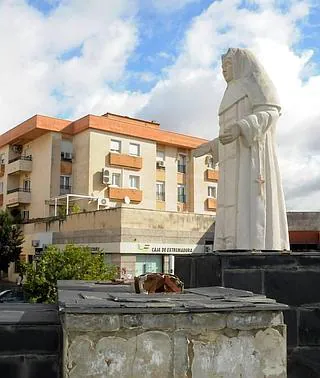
x=211, y=332
x=293, y=279
x=31, y=341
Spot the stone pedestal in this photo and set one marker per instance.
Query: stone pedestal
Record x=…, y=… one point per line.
x=204, y=332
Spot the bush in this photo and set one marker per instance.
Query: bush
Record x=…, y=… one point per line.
x=73, y=263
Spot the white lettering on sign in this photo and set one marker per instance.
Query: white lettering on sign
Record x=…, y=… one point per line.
x=172, y=249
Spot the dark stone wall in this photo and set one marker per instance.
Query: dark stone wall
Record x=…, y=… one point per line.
x=293, y=279
x=31, y=341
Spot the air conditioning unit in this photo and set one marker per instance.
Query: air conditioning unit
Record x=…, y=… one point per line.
x=161, y=164
x=103, y=201
x=66, y=155
x=35, y=243
x=105, y=176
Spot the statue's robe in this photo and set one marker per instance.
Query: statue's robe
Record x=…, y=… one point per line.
x=251, y=213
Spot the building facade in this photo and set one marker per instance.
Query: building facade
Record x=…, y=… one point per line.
x=51, y=166
x=111, y=158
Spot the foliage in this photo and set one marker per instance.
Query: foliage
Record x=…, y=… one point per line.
x=73, y=209
x=73, y=263
x=11, y=239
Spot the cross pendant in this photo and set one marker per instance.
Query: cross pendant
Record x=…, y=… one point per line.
x=260, y=180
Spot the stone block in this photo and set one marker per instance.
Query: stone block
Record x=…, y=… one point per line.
x=132, y=321
x=12, y=366
x=271, y=346
x=195, y=322
x=258, y=261
x=309, y=326
x=92, y=322
x=293, y=287
x=227, y=357
x=290, y=319
x=163, y=321
x=180, y=355
x=24, y=339
x=304, y=363
x=146, y=355
x=254, y=320
x=250, y=280
x=44, y=366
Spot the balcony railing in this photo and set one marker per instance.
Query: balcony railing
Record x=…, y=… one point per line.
x=65, y=189
x=21, y=157
x=182, y=198
x=18, y=195
x=19, y=164
x=24, y=190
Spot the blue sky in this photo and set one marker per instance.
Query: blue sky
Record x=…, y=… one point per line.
x=160, y=59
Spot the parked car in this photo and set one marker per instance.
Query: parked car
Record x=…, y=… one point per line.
x=12, y=295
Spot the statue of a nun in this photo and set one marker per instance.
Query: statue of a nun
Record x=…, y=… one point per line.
x=251, y=213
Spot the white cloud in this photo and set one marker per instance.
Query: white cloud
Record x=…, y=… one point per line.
x=31, y=69
x=187, y=99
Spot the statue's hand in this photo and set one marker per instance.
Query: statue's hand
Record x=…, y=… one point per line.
x=230, y=134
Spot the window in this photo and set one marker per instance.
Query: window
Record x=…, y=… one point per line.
x=1, y=187
x=30, y=259
x=115, y=179
x=181, y=193
x=134, y=149
x=160, y=193
x=65, y=182
x=25, y=214
x=2, y=158
x=115, y=146
x=134, y=182
x=209, y=162
x=26, y=185
x=160, y=155
x=182, y=162
x=212, y=191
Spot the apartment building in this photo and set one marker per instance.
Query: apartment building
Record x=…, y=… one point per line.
x=111, y=159
x=49, y=165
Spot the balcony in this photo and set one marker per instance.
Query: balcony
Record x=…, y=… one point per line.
x=65, y=189
x=127, y=161
x=66, y=168
x=19, y=164
x=212, y=175
x=211, y=204
x=118, y=194
x=18, y=195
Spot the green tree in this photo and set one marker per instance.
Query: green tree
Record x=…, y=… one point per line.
x=11, y=240
x=73, y=263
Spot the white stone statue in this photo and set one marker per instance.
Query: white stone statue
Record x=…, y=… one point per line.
x=251, y=213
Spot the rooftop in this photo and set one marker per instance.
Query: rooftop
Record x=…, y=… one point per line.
x=38, y=125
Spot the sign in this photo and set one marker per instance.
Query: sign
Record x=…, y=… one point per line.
x=172, y=249
x=157, y=248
